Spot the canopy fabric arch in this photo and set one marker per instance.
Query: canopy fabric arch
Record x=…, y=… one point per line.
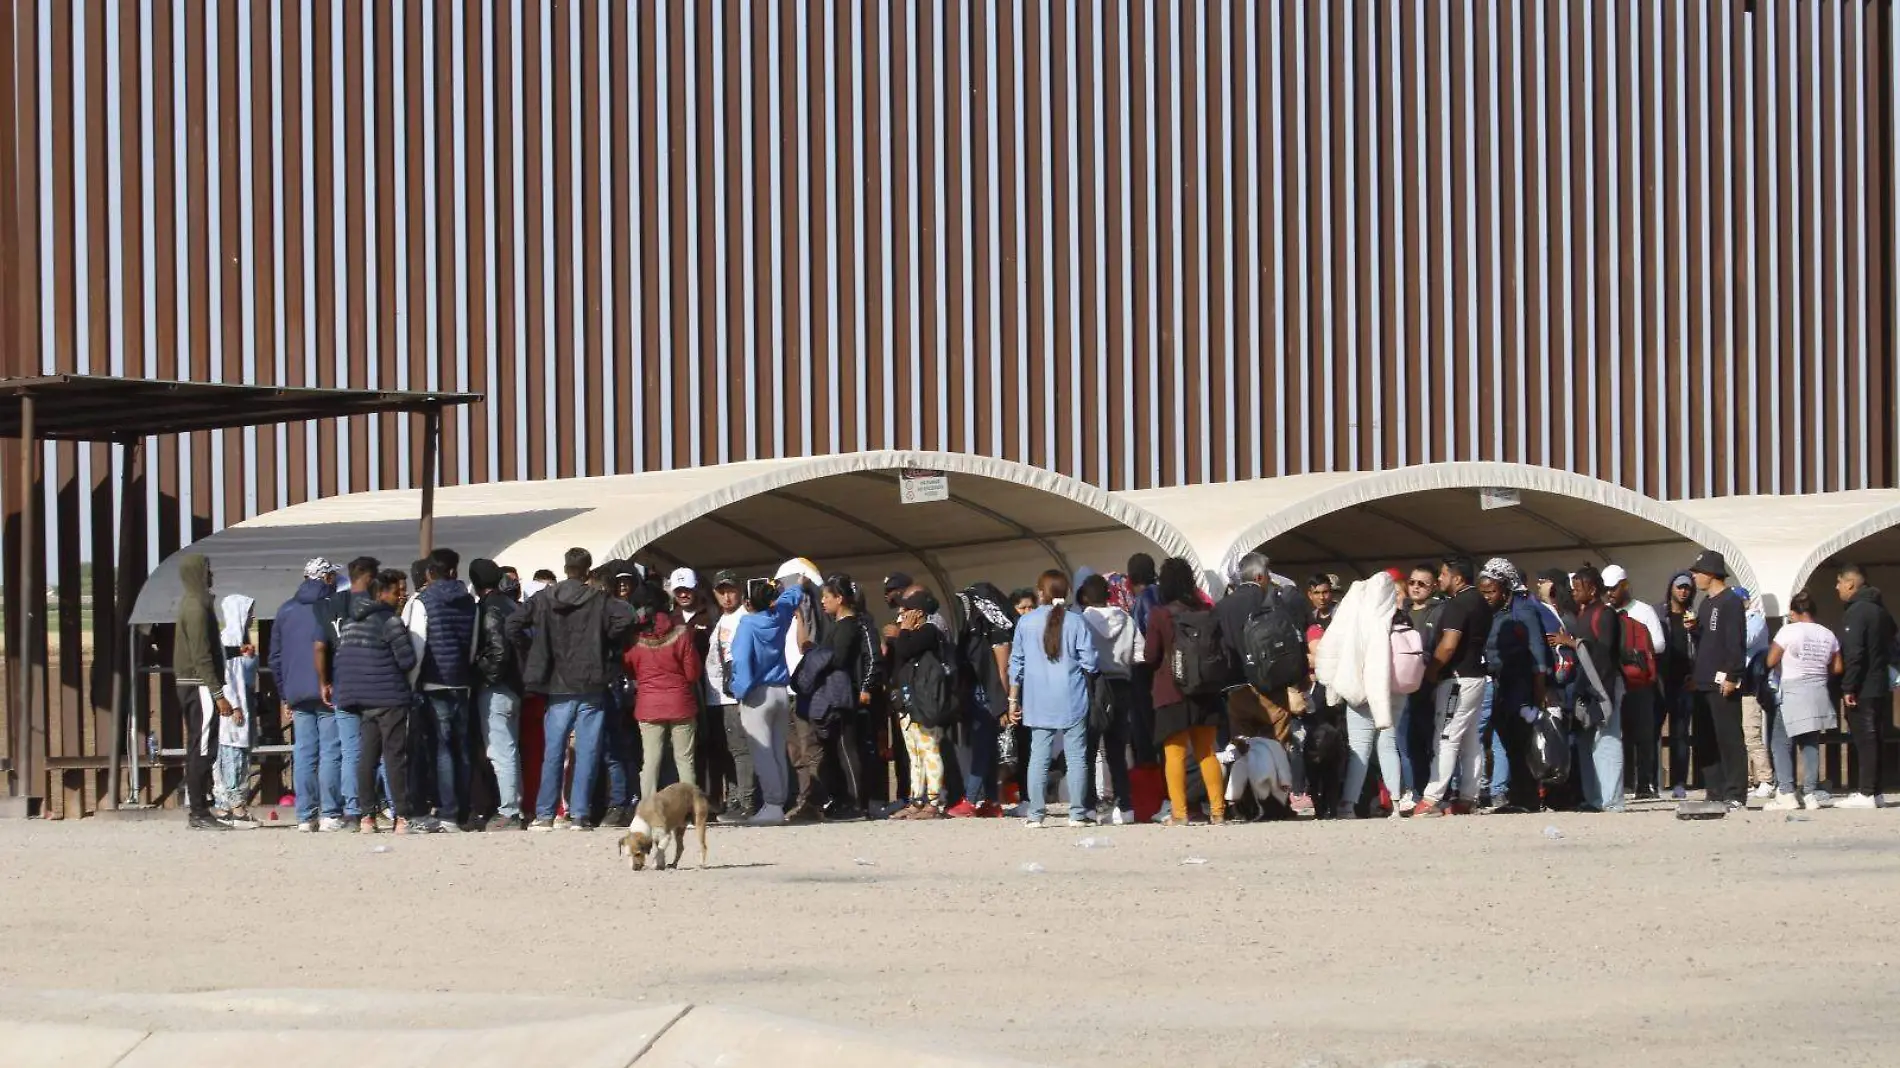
x=532, y=524
x=1787, y=538
x=1250, y=514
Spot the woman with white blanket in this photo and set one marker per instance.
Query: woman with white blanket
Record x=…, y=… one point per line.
x=1355, y=665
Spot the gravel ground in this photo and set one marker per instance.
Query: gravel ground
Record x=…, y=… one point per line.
x=1472, y=941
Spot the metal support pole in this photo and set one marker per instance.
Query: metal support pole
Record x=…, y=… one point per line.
x=23, y=588
x=131, y=456
x=431, y=442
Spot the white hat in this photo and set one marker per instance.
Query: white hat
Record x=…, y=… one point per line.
x=1614, y=575
x=682, y=579
x=800, y=567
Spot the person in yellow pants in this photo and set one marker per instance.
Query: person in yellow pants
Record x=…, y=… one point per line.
x=1184, y=723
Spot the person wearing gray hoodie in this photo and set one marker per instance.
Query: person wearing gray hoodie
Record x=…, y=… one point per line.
x=198, y=671
x=1114, y=631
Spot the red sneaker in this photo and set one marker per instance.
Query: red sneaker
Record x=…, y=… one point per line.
x=962, y=810
x=989, y=810
x=1462, y=807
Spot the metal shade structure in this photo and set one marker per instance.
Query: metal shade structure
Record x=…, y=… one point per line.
x=104, y=408
x=99, y=408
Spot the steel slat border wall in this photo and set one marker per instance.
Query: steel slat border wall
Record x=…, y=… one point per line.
x=1655, y=237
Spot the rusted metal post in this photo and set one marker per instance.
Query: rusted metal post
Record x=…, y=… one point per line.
x=431, y=442
x=22, y=588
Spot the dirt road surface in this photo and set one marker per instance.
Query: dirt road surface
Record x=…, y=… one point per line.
x=1633, y=939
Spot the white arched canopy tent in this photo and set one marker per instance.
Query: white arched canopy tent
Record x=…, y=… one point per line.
x=1354, y=523
x=1003, y=521
x=1792, y=541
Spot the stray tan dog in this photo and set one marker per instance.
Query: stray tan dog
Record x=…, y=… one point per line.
x=665, y=813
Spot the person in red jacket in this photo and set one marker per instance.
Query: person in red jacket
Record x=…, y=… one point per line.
x=665, y=666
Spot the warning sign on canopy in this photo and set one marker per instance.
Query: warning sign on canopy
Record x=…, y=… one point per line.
x=916, y=486
x=1498, y=498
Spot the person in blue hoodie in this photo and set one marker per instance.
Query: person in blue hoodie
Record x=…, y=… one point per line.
x=762, y=680
x=326, y=740
x=374, y=656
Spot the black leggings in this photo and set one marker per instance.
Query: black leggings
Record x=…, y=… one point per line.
x=1640, y=746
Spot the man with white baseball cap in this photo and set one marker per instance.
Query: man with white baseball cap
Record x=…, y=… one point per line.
x=1639, y=704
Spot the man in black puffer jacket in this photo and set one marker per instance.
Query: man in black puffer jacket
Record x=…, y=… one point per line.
x=1867, y=632
x=497, y=671
x=442, y=618
x=374, y=656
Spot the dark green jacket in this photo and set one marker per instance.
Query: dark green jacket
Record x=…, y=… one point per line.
x=197, y=641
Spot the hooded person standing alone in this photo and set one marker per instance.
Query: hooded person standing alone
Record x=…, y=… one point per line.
x=199, y=672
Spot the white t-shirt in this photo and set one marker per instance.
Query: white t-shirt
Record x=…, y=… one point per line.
x=1642, y=613
x=1807, y=651
x=718, y=652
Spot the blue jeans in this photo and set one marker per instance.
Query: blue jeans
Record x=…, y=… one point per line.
x=499, y=713
x=982, y=726
x=622, y=744
x=1075, y=750
x=1782, y=750
x=1362, y=736
x=578, y=715
x=1500, y=783
x=326, y=746
x=1414, y=730
x=451, y=751
x=1601, y=751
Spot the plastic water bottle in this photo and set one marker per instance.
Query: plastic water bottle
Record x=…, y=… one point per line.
x=1033, y=868
x=1553, y=833
x=151, y=748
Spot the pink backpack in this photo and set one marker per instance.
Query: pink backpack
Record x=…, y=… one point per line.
x=1408, y=658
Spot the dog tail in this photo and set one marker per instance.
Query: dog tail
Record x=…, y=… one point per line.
x=701, y=811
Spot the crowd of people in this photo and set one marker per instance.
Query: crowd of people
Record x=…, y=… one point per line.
x=425, y=701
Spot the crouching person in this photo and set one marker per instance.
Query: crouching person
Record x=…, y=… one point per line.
x=375, y=654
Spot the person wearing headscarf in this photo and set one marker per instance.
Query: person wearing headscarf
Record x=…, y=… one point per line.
x=1517, y=660
x=1354, y=667
x=989, y=627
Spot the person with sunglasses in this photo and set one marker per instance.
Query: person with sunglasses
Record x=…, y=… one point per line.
x=1424, y=604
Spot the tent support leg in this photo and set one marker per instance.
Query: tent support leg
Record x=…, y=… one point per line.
x=431, y=442
x=132, y=455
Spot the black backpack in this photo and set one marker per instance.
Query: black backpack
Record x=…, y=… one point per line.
x=1200, y=663
x=926, y=689
x=1273, y=645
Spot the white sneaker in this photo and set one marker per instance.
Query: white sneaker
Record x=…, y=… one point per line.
x=1163, y=813
x=1763, y=792
x=310, y=827
x=1679, y=794
x=1407, y=804
x=239, y=822
x=1121, y=817
x=768, y=816
x=1033, y=824
x=1858, y=801
x=330, y=823
x=1817, y=801
x=1782, y=803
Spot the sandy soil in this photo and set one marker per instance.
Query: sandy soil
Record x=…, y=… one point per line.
x=1475, y=941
